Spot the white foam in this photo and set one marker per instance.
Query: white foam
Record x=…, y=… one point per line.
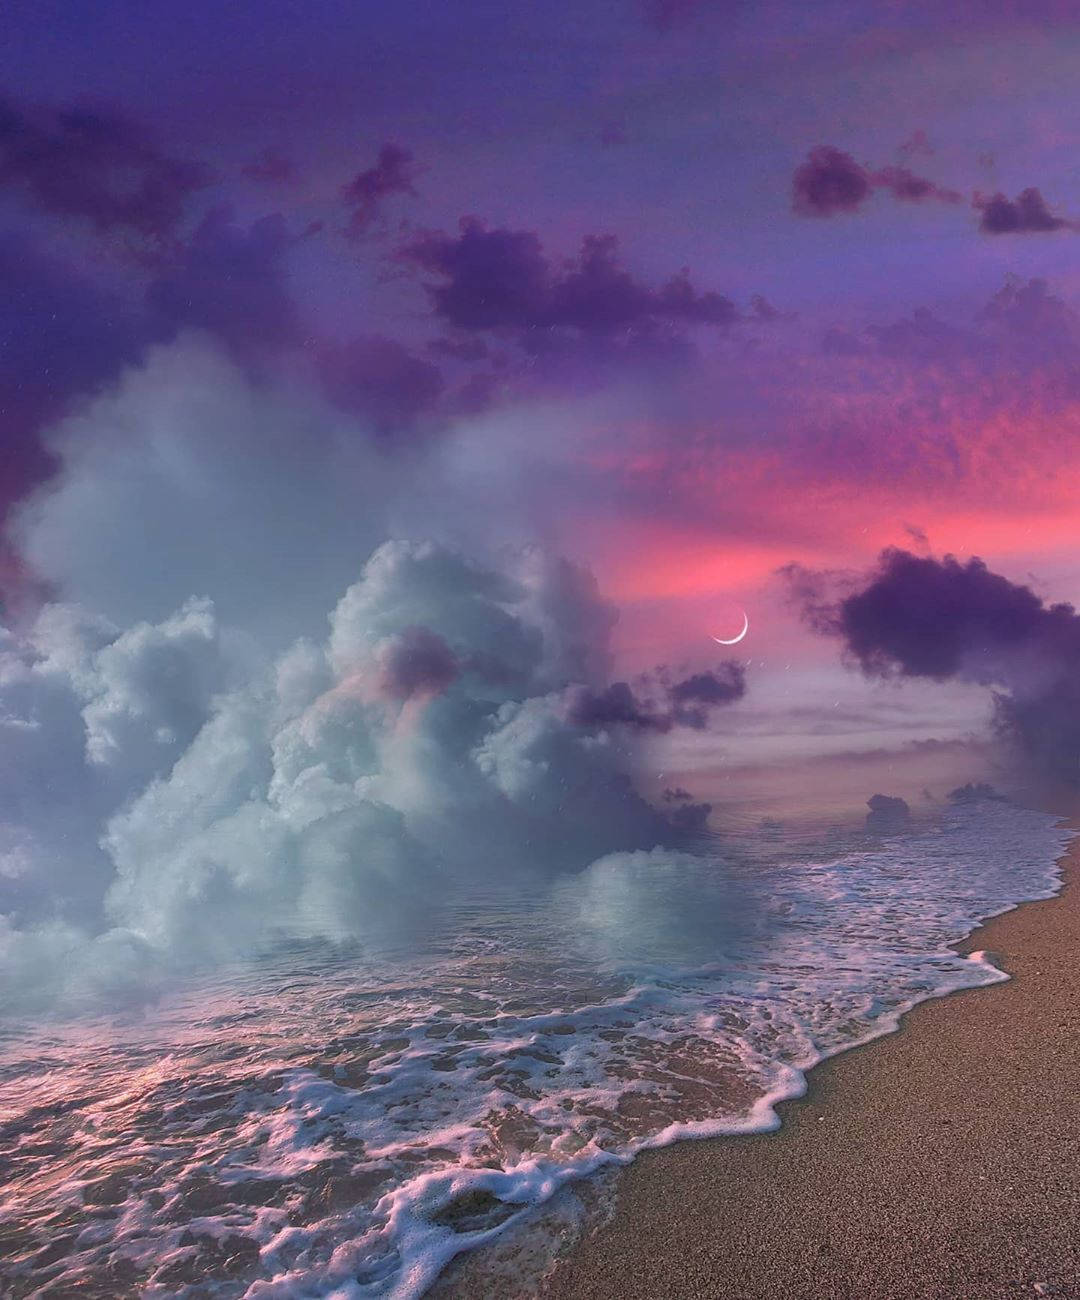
x=359, y=1125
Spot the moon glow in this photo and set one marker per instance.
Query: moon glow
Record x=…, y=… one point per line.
x=735, y=639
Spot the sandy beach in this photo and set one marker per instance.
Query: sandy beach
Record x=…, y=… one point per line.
x=941, y=1161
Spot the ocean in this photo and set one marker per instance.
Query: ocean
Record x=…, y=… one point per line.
x=341, y=1122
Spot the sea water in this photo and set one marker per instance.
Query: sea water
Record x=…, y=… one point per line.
x=335, y=1123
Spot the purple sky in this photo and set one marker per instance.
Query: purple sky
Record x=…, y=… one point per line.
x=702, y=288
x=399, y=404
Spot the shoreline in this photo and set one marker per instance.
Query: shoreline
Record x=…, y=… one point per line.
x=938, y=1161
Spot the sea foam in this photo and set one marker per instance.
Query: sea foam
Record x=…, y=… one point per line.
x=319, y=1127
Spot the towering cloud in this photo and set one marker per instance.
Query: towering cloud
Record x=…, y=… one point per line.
x=194, y=765
x=942, y=619
x=201, y=805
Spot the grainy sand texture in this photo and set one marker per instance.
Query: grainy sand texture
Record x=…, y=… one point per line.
x=942, y=1161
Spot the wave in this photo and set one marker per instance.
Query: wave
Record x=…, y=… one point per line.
x=327, y=1127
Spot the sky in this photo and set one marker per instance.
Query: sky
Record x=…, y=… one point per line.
x=688, y=291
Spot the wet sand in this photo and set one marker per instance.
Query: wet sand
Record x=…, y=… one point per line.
x=942, y=1161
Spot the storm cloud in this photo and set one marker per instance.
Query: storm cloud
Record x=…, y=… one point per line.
x=946, y=619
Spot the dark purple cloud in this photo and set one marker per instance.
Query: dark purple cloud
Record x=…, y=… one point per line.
x=936, y=618
x=615, y=705
x=693, y=697
x=230, y=281
x=831, y=181
x=394, y=172
x=64, y=336
x=944, y=619
x=380, y=380
x=502, y=280
x=417, y=662
x=888, y=814
x=494, y=279
x=97, y=167
x=1027, y=214
x=905, y=185
x=689, y=818
x=676, y=794
x=684, y=703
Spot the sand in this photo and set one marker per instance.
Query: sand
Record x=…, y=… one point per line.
x=941, y=1161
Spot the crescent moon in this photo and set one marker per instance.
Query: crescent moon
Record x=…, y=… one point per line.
x=735, y=639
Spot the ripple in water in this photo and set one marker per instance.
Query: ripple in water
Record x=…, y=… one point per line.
x=319, y=1126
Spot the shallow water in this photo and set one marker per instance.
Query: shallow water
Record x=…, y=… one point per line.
x=332, y=1124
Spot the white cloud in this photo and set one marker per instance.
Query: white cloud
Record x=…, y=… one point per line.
x=209, y=747
x=236, y=803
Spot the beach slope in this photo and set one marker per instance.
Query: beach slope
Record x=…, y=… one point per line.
x=942, y=1161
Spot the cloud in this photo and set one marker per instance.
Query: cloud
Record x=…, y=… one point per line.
x=199, y=761
x=905, y=185
x=97, y=167
x=204, y=803
x=831, y=181
x=945, y=620
x=888, y=814
x=192, y=474
x=67, y=337
x=190, y=478
x=380, y=380
x=416, y=662
x=393, y=172
x=61, y=335
x=1025, y=321
x=1026, y=214
x=615, y=706
x=658, y=704
x=926, y=416
x=89, y=715
x=694, y=696
x=231, y=282
x=502, y=280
